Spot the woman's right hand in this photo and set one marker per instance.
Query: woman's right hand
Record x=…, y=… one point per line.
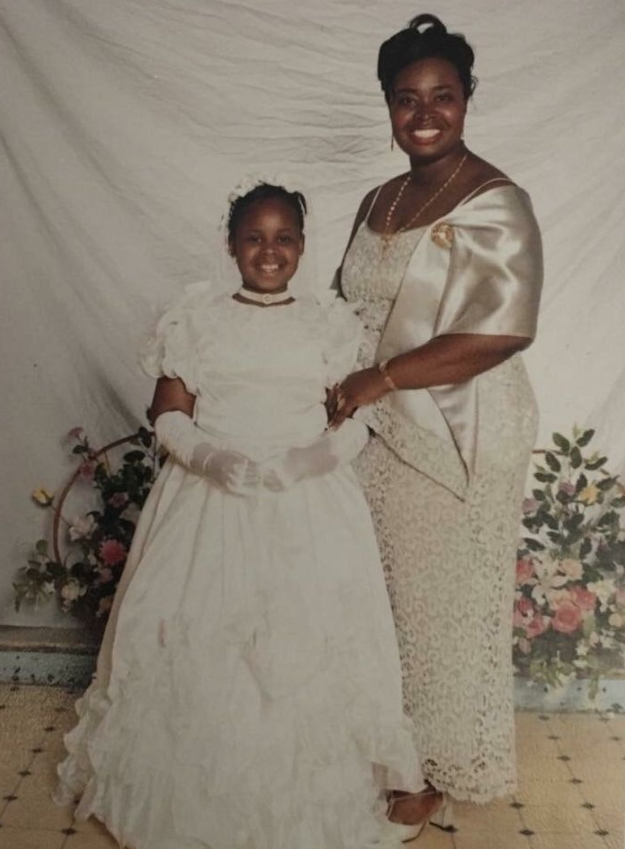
x=230, y=470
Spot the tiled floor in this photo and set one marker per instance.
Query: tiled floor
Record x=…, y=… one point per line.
x=571, y=783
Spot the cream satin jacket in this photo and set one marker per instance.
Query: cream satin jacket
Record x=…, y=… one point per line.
x=478, y=270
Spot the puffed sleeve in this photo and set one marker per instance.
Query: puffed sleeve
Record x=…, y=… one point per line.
x=496, y=269
x=170, y=348
x=343, y=334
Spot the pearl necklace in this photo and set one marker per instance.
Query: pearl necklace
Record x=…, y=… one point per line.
x=265, y=298
x=387, y=235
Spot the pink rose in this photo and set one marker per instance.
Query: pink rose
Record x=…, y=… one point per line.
x=568, y=618
x=525, y=606
x=530, y=505
x=112, y=552
x=567, y=487
x=118, y=500
x=584, y=599
x=76, y=433
x=524, y=571
x=106, y=575
x=537, y=626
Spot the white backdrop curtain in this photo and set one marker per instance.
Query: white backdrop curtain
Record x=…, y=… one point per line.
x=125, y=123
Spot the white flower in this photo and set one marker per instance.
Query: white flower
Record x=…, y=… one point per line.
x=581, y=649
x=72, y=590
x=251, y=181
x=603, y=589
x=616, y=621
x=82, y=527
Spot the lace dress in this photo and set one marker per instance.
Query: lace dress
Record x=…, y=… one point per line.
x=449, y=564
x=254, y=693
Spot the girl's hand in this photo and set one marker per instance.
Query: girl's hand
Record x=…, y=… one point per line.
x=357, y=390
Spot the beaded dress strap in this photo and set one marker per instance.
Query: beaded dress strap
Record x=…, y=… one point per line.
x=487, y=183
x=372, y=204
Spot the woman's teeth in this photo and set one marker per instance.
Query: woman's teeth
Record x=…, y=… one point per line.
x=425, y=135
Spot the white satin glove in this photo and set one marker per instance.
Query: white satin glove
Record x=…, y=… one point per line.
x=228, y=469
x=332, y=449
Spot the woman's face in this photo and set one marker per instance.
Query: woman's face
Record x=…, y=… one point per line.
x=427, y=109
x=267, y=245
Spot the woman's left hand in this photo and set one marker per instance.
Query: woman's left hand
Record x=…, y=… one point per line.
x=357, y=390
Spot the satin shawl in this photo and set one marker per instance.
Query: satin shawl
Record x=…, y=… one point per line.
x=477, y=270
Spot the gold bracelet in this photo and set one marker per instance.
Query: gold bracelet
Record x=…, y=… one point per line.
x=382, y=368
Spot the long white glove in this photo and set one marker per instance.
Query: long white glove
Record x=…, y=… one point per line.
x=228, y=469
x=332, y=449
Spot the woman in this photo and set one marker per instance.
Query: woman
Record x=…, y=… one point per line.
x=446, y=260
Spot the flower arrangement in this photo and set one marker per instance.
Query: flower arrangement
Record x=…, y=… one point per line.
x=569, y=613
x=96, y=544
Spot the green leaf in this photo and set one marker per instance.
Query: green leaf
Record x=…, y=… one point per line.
x=539, y=494
x=533, y=544
x=606, y=483
x=576, y=458
x=552, y=461
x=582, y=483
x=563, y=444
x=41, y=546
x=585, y=438
x=548, y=520
x=544, y=477
x=585, y=548
x=596, y=464
x=79, y=449
x=134, y=457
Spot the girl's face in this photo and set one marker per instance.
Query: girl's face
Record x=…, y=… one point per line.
x=267, y=245
x=427, y=109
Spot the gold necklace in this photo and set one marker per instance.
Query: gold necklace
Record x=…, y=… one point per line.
x=387, y=235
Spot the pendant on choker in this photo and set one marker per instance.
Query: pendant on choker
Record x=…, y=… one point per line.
x=265, y=298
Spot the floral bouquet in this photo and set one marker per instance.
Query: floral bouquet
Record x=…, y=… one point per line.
x=96, y=544
x=569, y=614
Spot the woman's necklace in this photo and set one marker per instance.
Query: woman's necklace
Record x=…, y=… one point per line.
x=265, y=298
x=388, y=235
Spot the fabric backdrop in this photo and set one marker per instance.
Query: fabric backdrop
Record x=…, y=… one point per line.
x=125, y=124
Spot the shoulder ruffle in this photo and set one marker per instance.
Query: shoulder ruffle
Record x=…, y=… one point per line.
x=170, y=348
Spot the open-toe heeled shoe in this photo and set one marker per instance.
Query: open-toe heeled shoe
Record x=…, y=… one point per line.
x=430, y=800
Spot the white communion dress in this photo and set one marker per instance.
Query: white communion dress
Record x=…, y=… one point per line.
x=248, y=693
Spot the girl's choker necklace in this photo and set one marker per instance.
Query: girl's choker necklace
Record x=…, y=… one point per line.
x=265, y=298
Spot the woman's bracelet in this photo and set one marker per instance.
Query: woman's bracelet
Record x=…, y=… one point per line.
x=382, y=368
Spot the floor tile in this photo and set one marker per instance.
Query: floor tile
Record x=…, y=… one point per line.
x=102, y=841
x=568, y=841
x=35, y=809
x=486, y=840
x=547, y=819
x=12, y=838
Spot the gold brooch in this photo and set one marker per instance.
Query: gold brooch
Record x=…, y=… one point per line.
x=443, y=235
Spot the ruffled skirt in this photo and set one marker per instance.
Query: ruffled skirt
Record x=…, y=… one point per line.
x=249, y=691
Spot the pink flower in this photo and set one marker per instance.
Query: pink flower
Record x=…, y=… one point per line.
x=567, y=487
x=524, y=571
x=525, y=606
x=584, y=599
x=530, y=505
x=76, y=433
x=106, y=575
x=568, y=618
x=112, y=552
x=537, y=626
x=118, y=500
x=87, y=471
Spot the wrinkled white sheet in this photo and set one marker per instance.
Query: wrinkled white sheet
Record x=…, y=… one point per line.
x=125, y=124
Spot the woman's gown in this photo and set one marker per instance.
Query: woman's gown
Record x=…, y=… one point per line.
x=248, y=693
x=449, y=563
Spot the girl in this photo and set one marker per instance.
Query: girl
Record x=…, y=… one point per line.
x=248, y=693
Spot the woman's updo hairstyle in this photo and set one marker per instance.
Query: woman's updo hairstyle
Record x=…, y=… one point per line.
x=425, y=37
x=261, y=192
